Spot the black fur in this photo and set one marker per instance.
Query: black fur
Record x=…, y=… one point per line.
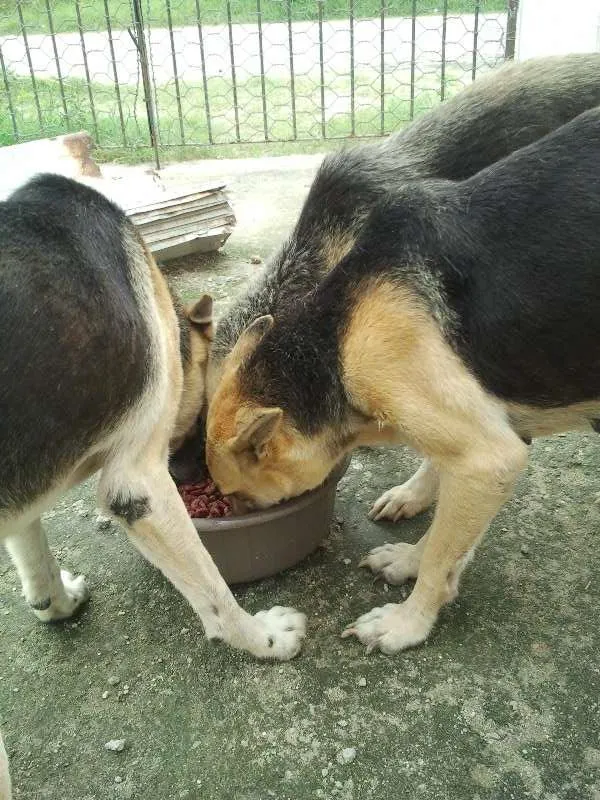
x=41, y=605
x=131, y=509
x=73, y=344
x=498, y=114
x=508, y=261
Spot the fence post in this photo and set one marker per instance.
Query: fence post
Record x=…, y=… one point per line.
x=512, y=9
x=140, y=42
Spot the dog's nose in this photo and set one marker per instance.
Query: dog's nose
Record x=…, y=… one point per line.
x=238, y=506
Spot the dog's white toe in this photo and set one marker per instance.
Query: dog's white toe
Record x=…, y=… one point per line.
x=400, y=502
x=66, y=602
x=281, y=633
x=390, y=628
x=395, y=563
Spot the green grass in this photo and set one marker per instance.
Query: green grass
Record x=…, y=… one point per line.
x=133, y=144
x=213, y=12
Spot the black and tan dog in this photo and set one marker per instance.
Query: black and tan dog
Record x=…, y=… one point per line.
x=101, y=371
x=463, y=322
x=507, y=109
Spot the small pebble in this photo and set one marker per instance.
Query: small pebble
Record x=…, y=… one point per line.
x=104, y=695
x=347, y=561
x=115, y=745
x=525, y=549
x=103, y=523
x=362, y=681
x=255, y=260
x=347, y=755
x=113, y=680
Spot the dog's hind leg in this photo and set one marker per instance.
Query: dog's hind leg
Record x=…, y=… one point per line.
x=52, y=593
x=5, y=790
x=145, y=499
x=410, y=498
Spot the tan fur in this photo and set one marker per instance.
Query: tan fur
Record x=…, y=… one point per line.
x=335, y=246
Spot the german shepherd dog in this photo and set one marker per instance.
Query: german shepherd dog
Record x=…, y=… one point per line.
x=508, y=109
x=102, y=370
x=463, y=322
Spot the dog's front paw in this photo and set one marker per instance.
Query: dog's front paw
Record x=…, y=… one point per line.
x=394, y=563
x=72, y=592
x=281, y=632
x=390, y=628
x=401, y=502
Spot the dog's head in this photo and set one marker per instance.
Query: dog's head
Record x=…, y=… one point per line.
x=196, y=332
x=256, y=452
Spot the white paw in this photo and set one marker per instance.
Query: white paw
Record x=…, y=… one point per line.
x=395, y=563
x=390, y=628
x=281, y=633
x=67, y=599
x=401, y=502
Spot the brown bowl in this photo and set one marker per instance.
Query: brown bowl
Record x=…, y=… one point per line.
x=263, y=543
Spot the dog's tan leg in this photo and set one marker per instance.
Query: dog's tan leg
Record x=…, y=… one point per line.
x=149, y=505
x=473, y=487
x=5, y=790
x=410, y=498
x=51, y=592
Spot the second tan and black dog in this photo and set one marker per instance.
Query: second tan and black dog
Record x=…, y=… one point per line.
x=463, y=322
x=502, y=111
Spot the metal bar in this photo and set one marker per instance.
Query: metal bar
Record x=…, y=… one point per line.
x=352, y=76
x=261, y=56
x=236, y=110
x=11, y=109
x=175, y=73
x=512, y=9
x=115, y=73
x=475, y=40
x=382, y=69
x=87, y=72
x=140, y=43
x=61, y=85
x=204, y=78
x=322, y=68
x=413, y=56
x=443, y=69
x=292, y=76
x=30, y=63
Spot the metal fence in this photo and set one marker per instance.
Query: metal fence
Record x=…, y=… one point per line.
x=171, y=73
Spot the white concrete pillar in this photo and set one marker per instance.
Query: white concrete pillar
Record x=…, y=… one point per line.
x=557, y=27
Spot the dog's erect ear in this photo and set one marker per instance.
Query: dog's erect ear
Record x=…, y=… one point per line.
x=200, y=314
x=251, y=337
x=254, y=429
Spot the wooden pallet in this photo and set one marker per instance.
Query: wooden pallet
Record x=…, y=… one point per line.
x=175, y=220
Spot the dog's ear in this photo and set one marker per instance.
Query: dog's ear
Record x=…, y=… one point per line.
x=251, y=337
x=254, y=429
x=200, y=314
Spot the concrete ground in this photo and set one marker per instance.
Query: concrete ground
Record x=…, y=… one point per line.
x=501, y=703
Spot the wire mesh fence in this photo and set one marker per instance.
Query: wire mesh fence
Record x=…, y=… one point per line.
x=171, y=73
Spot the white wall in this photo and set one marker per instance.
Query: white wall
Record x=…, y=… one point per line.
x=555, y=27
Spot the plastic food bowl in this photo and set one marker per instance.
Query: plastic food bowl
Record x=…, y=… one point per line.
x=263, y=543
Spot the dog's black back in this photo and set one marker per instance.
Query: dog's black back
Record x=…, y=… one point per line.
x=495, y=116
x=73, y=343
x=515, y=251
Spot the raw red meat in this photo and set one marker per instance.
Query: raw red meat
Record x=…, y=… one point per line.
x=204, y=500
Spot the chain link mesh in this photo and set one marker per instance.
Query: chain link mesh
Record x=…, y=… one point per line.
x=168, y=73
